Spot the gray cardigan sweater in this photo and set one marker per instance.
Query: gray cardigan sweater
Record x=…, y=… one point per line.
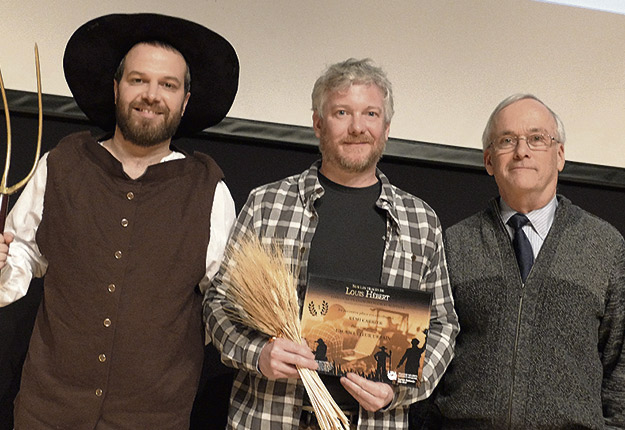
x=547, y=354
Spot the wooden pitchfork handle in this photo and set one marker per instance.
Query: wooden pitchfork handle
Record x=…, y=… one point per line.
x=5, y=191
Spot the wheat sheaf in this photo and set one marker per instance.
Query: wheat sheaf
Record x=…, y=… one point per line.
x=263, y=288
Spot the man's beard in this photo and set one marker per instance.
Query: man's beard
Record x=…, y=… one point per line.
x=143, y=132
x=350, y=165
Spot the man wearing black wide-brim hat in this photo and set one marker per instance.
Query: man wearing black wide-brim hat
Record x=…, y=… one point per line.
x=124, y=227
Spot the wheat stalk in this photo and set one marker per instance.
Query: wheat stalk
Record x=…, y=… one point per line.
x=263, y=288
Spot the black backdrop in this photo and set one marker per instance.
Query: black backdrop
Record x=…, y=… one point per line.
x=451, y=179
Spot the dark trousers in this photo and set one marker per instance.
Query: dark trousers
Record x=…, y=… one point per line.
x=16, y=326
x=210, y=409
x=308, y=420
x=424, y=415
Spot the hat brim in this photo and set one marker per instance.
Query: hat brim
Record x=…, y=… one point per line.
x=95, y=50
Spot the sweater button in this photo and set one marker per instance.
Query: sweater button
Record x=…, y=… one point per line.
x=118, y=255
x=130, y=195
x=102, y=358
x=124, y=222
x=99, y=392
x=107, y=322
x=111, y=288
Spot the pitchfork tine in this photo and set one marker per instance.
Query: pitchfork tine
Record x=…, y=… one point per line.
x=5, y=191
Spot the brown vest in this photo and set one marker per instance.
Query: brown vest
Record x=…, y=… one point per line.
x=118, y=341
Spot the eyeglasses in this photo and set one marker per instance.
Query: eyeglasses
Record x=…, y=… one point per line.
x=535, y=141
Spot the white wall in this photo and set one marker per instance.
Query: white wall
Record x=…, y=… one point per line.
x=451, y=61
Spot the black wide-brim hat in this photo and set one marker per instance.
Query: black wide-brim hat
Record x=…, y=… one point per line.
x=95, y=50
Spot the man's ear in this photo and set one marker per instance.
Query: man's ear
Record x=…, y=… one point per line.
x=560, y=156
x=184, y=103
x=317, y=123
x=488, y=162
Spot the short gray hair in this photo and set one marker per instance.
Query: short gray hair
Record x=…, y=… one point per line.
x=487, y=135
x=341, y=76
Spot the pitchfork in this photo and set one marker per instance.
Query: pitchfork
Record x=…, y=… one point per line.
x=5, y=191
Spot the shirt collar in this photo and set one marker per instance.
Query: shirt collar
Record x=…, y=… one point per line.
x=173, y=155
x=540, y=219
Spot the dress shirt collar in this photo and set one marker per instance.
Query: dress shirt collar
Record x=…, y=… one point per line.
x=540, y=219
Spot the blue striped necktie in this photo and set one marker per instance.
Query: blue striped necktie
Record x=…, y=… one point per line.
x=521, y=244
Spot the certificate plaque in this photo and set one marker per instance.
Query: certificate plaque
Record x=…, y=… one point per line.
x=375, y=331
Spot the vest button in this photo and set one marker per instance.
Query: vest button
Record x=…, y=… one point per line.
x=111, y=288
x=118, y=255
x=99, y=392
x=102, y=358
x=124, y=222
x=107, y=322
x=130, y=195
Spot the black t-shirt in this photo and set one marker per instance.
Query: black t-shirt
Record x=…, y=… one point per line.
x=349, y=238
x=348, y=244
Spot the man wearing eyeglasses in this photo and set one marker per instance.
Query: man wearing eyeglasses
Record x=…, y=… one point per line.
x=539, y=288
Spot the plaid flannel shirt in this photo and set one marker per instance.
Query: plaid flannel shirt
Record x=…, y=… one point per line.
x=413, y=258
